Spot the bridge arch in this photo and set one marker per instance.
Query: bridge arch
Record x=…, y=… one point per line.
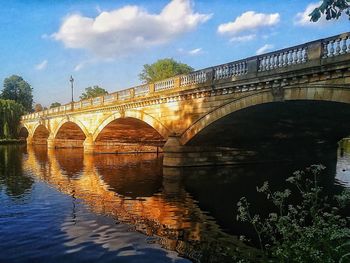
x=70, y=133
x=23, y=132
x=307, y=93
x=135, y=114
x=129, y=131
x=71, y=120
x=40, y=134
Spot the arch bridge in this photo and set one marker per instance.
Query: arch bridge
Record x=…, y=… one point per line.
x=285, y=104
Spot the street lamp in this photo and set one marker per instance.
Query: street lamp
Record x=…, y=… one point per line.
x=71, y=82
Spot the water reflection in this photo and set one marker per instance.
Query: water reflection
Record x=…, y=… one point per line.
x=343, y=164
x=188, y=210
x=132, y=189
x=12, y=180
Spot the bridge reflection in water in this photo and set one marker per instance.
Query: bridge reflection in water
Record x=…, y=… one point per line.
x=189, y=210
x=134, y=189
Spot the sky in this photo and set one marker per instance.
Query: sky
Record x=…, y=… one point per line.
x=106, y=43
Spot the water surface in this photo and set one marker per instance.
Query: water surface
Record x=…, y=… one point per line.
x=64, y=206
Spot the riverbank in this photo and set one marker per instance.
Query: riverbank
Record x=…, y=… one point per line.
x=12, y=141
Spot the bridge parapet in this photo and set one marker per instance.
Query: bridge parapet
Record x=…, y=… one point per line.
x=308, y=55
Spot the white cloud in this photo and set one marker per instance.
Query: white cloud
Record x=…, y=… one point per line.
x=303, y=18
x=245, y=38
x=195, y=51
x=79, y=66
x=42, y=65
x=265, y=48
x=249, y=21
x=127, y=29
x=192, y=52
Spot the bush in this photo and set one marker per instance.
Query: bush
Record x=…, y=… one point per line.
x=313, y=230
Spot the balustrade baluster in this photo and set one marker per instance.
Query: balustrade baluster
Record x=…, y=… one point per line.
x=290, y=57
x=295, y=56
x=267, y=63
x=261, y=66
x=284, y=59
x=331, y=51
x=273, y=61
x=280, y=59
x=236, y=69
x=240, y=69
x=230, y=70
x=337, y=49
x=299, y=55
x=343, y=48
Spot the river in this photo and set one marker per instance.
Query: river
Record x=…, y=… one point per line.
x=63, y=206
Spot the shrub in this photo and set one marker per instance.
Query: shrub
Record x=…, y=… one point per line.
x=312, y=230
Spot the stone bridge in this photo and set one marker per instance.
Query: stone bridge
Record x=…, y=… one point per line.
x=287, y=104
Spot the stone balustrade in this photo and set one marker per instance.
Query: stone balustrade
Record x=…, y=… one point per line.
x=337, y=45
x=286, y=59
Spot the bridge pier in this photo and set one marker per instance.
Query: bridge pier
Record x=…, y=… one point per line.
x=51, y=142
x=177, y=155
x=89, y=144
x=29, y=140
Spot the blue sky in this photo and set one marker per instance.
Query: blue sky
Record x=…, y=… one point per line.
x=106, y=42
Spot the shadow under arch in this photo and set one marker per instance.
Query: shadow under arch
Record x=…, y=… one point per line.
x=23, y=132
x=307, y=93
x=70, y=134
x=40, y=134
x=139, y=115
x=277, y=131
x=71, y=120
x=132, y=131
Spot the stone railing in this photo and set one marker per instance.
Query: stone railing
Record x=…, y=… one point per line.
x=337, y=45
x=285, y=59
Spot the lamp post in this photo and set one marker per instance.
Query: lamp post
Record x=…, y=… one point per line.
x=71, y=82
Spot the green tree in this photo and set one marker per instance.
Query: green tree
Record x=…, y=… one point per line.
x=17, y=89
x=162, y=69
x=332, y=9
x=92, y=92
x=55, y=104
x=10, y=114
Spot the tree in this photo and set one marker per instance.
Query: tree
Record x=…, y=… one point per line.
x=92, y=92
x=38, y=107
x=332, y=9
x=55, y=104
x=162, y=69
x=17, y=89
x=10, y=115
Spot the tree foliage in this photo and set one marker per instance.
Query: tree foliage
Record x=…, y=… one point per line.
x=38, y=107
x=17, y=89
x=55, y=104
x=10, y=114
x=313, y=230
x=162, y=69
x=332, y=9
x=92, y=92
